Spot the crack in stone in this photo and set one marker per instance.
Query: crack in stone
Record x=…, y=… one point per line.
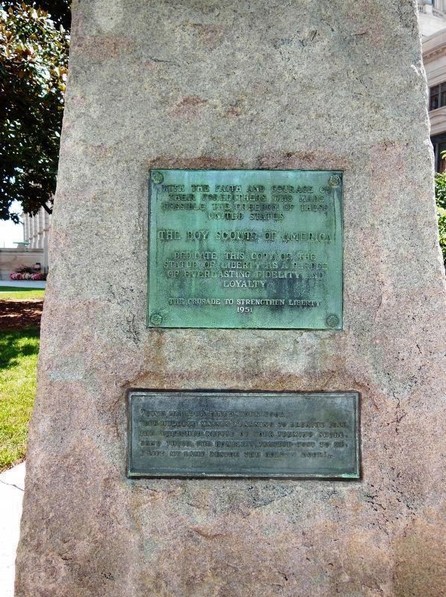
x=11, y=485
x=153, y=59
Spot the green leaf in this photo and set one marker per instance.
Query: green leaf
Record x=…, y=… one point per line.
x=33, y=67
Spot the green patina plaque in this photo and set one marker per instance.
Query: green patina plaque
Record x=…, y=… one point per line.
x=245, y=249
x=232, y=434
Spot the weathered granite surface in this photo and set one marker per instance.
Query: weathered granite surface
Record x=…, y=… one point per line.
x=240, y=84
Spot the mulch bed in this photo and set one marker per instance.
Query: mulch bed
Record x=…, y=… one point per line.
x=16, y=315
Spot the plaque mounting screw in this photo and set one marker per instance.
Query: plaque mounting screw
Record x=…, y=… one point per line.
x=156, y=319
x=334, y=181
x=332, y=320
x=157, y=177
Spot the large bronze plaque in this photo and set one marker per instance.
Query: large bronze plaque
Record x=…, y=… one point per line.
x=227, y=434
x=245, y=249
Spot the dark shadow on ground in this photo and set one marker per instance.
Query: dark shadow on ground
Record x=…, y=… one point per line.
x=14, y=345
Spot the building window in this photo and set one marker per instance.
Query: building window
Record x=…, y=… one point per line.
x=437, y=96
x=439, y=146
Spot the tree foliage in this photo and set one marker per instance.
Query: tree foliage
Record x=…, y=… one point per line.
x=33, y=68
x=59, y=10
x=440, y=196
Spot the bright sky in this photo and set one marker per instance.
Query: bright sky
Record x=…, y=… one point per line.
x=10, y=232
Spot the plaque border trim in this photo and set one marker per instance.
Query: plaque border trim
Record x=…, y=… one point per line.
x=150, y=326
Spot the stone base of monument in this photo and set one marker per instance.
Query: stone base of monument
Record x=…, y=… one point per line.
x=242, y=370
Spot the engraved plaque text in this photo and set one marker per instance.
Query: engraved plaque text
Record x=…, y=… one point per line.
x=226, y=434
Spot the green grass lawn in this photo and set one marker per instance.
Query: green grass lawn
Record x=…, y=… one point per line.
x=10, y=293
x=18, y=363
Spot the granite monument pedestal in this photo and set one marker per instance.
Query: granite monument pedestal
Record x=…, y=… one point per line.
x=320, y=86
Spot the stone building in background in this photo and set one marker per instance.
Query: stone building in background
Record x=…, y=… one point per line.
x=432, y=19
x=432, y=15
x=36, y=230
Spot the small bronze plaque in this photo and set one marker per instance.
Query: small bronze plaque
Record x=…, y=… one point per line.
x=245, y=249
x=228, y=434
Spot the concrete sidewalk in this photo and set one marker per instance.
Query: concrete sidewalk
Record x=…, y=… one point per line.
x=12, y=484
x=23, y=283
